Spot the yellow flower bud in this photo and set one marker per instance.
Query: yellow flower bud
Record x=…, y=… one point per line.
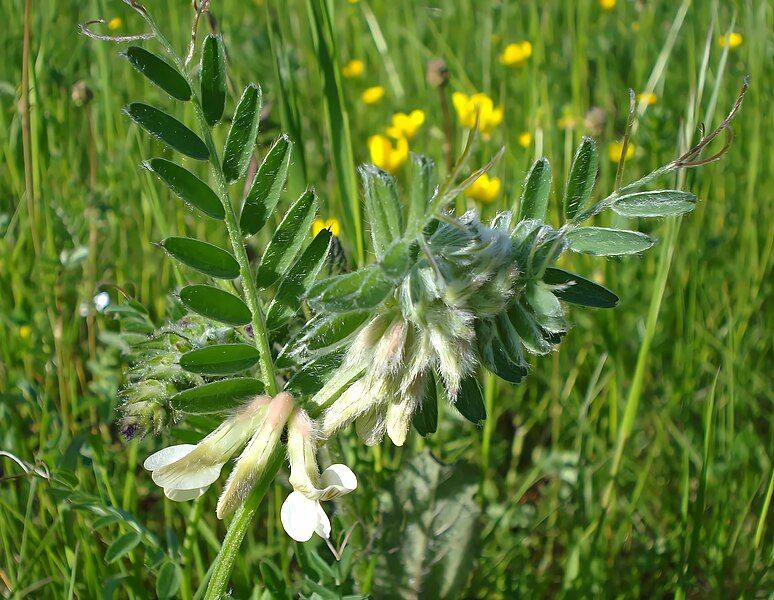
x=732, y=40
x=607, y=4
x=115, y=23
x=648, y=98
x=615, y=150
x=525, y=139
x=514, y=55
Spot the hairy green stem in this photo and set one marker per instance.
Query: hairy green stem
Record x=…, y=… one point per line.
x=224, y=562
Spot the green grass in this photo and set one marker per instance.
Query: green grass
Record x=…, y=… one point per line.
x=636, y=462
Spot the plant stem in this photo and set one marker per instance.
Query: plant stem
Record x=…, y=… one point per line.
x=224, y=563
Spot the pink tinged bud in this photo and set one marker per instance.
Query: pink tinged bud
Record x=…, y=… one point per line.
x=256, y=454
x=185, y=471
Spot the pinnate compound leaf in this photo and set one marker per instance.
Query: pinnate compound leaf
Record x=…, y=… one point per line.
x=215, y=397
x=601, y=241
x=583, y=173
x=265, y=191
x=383, y=208
x=168, y=129
x=202, y=256
x=430, y=550
x=213, y=78
x=537, y=187
x=470, y=401
x=220, y=359
x=187, y=186
x=657, y=203
x=216, y=304
x=288, y=239
x=159, y=72
x=122, y=546
x=293, y=286
x=241, y=137
x=579, y=290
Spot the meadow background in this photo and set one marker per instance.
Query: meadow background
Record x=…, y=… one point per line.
x=636, y=462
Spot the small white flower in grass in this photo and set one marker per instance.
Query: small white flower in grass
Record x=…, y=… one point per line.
x=301, y=514
x=185, y=471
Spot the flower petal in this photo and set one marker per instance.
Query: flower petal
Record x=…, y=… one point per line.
x=184, y=495
x=337, y=480
x=187, y=476
x=323, y=528
x=167, y=456
x=300, y=516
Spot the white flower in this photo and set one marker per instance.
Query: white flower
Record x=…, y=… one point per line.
x=256, y=455
x=101, y=301
x=301, y=516
x=301, y=512
x=185, y=471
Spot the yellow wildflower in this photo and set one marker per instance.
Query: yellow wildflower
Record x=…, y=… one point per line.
x=353, y=69
x=616, y=148
x=525, y=139
x=484, y=189
x=636, y=26
x=115, y=23
x=319, y=224
x=406, y=125
x=648, y=98
x=607, y=4
x=372, y=95
x=388, y=154
x=732, y=40
x=466, y=106
x=25, y=331
x=514, y=55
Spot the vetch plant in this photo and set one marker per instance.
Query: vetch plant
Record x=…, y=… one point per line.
x=446, y=296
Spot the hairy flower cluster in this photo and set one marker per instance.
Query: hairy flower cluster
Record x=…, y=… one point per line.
x=156, y=374
x=468, y=272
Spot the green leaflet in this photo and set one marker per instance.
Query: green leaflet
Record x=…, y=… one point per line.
x=265, y=191
x=241, y=137
x=298, y=279
x=382, y=208
x=583, y=173
x=122, y=546
x=187, y=186
x=310, y=379
x=159, y=72
x=601, y=241
x=529, y=331
x=546, y=308
x=431, y=550
x=537, y=187
x=503, y=358
x=220, y=359
x=288, y=239
x=169, y=130
x=202, y=256
x=579, y=290
x=364, y=288
x=216, y=304
x=425, y=417
x=327, y=332
x=470, y=401
x=657, y=203
x=217, y=396
x=213, y=78
x=422, y=172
